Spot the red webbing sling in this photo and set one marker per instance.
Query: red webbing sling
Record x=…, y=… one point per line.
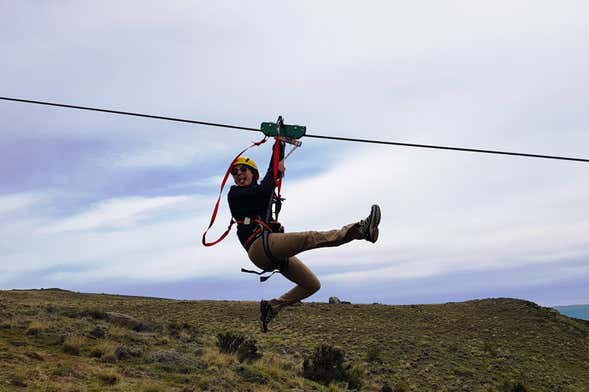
x=215, y=210
x=277, y=179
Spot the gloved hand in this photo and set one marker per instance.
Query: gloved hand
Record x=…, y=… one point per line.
x=276, y=227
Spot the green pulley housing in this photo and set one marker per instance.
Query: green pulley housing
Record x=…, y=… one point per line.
x=287, y=131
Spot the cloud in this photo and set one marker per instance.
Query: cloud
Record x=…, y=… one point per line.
x=135, y=238
x=113, y=213
x=135, y=194
x=439, y=218
x=11, y=203
x=172, y=152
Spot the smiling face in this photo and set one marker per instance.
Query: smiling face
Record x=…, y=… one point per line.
x=242, y=175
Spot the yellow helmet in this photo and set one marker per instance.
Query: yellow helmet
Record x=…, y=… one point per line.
x=246, y=161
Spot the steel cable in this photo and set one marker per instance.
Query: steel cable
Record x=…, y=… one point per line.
x=166, y=118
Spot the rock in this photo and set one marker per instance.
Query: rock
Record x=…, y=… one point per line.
x=129, y=322
x=223, y=383
x=169, y=357
x=97, y=333
x=123, y=352
x=199, y=351
x=34, y=355
x=336, y=300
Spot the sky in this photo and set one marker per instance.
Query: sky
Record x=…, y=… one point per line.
x=95, y=202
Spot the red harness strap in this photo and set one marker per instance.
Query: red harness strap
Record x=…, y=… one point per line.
x=216, y=209
x=261, y=226
x=276, y=161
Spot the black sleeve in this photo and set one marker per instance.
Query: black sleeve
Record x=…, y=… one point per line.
x=267, y=182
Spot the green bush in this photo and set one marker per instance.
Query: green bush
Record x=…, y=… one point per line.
x=248, y=351
x=325, y=365
x=229, y=342
x=355, y=375
x=513, y=387
x=386, y=388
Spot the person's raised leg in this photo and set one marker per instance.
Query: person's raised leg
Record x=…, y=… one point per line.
x=284, y=245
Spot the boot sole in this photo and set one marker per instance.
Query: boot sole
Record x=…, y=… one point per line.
x=374, y=222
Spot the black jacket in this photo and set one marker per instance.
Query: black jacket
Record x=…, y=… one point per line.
x=252, y=201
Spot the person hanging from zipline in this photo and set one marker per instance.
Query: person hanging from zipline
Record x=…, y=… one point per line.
x=249, y=204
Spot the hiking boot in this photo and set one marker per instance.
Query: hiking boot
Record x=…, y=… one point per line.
x=267, y=314
x=369, y=227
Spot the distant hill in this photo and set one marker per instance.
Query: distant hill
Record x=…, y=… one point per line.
x=576, y=311
x=55, y=340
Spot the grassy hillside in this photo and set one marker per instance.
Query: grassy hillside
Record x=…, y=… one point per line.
x=55, y=340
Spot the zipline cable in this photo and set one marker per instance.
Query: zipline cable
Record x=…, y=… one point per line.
x=473, y=150
x=129, y=113
x=520, y=154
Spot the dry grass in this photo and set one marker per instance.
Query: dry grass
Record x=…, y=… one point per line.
x=104, y=349
x=37, y=327
x=47, y=344
x=74, y=344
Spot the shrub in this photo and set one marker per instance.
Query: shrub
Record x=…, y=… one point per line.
x=355, y=376
x=325, y=365
x=386, y=388
x=513, y=387
x=229, y=342
x=248, y=351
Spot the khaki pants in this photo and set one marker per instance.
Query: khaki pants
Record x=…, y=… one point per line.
x=287, y=245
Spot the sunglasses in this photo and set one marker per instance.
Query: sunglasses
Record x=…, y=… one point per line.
x=241, y=169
